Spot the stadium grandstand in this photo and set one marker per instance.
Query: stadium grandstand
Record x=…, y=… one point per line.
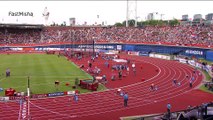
x=197, y=36
x=106, y=72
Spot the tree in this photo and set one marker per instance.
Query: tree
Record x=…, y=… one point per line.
x=140, y=23
x=153, y=22
x=149, y=22
x=174, y=22
x=64, y=23
x=130, y=22
x=145, y=23
x=118, y=24
x=160, y=23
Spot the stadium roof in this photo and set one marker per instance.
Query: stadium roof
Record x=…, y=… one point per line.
x=25, y=26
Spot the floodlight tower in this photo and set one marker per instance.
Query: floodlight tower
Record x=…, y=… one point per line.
x=136, y=17
x=127, y=13
x=131, y=11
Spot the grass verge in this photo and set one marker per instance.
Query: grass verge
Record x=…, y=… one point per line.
x=208, y=78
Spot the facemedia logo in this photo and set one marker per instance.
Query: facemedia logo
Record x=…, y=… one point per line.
x=20, y=13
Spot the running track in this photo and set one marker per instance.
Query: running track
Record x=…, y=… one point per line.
x=108, y=106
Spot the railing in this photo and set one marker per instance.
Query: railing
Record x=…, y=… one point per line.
x=200, y=111
x=107, y=42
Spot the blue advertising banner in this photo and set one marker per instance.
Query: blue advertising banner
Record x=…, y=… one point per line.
x=142, y=48
x=209, y=55
x=55, y=94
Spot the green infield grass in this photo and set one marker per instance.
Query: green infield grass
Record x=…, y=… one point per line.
x=43, y=70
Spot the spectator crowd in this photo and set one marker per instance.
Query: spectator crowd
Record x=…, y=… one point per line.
x=173, y=35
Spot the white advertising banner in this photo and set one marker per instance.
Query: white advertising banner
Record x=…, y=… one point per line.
x=160, y=56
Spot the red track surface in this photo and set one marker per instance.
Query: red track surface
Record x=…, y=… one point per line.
x=109, y=106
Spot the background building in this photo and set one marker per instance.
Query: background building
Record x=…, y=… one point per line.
x=197, y=16
x=185, y=17
x=72, y=21
x=150, y=16
x=209, y=16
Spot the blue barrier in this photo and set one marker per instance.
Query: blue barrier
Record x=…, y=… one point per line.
x=143, y=48
x=209, y=55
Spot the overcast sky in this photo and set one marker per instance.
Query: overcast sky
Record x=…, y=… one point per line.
x=109, y=12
